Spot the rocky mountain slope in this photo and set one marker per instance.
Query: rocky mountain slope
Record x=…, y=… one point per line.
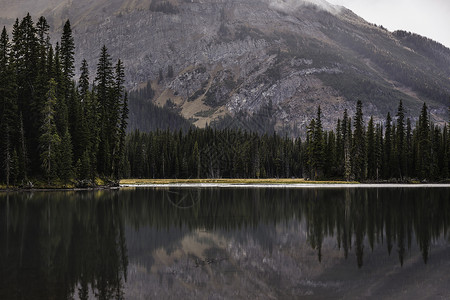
x=215, y=58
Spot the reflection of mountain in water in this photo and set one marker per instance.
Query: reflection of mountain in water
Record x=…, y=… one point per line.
x=56, y=245
x=353, y=217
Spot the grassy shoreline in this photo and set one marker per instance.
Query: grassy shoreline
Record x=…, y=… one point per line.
x=231, y=181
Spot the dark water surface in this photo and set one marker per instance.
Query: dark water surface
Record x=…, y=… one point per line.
x=211, y=243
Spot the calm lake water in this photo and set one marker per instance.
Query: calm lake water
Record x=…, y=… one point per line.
x=229, y=243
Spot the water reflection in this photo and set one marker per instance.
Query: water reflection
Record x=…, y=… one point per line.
x=62, y=245
x=381, y=215
x=55, y=245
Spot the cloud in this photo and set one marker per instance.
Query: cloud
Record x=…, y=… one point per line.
x=290, y=5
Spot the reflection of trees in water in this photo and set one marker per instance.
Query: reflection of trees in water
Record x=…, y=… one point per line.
x=60, y=244
x=55, y=245
x=354, y=217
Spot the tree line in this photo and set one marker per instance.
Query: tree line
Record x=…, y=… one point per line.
x=51, y=127
x=389, y=150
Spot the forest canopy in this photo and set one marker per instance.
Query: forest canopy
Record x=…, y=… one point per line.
x=53, y=128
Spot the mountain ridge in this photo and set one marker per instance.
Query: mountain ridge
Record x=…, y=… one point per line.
x=230, y=57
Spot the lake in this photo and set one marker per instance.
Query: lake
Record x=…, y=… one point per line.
x=226, y=243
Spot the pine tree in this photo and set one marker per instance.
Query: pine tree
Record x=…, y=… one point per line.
x=424, y=144
x=67, y=52
x=378, y=151
x=371, y=150
x=25, y=60
x=339, y=148
x=359, y=145
x=387, y=148
x=42, y=78
x=8, y=107
x=65, y=158
x=104, y=86
x=61, y=108
x=83, y=84
x=196, y=159
x=86, y=127
x=409, y=150
x=400, y=142
x=318, y=146
x=49, y=138
x=117, y=132
x=446, y=150
x=310, y=157
x=347, y=139
x=122, y=136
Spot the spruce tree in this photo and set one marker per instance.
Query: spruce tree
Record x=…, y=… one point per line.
x=8, y=107
x=104, y=86
x=378, y=151
x=65, y=157
x=49, y=139
x=409, y=150
x=446, y=150
x=318, y=146
x=339, y=148
x=387, y=148
x=122, y=135
x=400, y=142
x=359, y=145
x=25, y=60
x=424, y=144
x=347, y=139
x=67, y=52
x=61, y=108
x=371, y=150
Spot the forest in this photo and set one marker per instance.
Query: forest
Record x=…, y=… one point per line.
x=58, y=130
x=53, y=128
x=394, y=150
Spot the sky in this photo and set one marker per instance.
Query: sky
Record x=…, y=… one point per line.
x=430, y=18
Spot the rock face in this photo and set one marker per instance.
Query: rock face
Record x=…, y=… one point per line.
x=239, y=56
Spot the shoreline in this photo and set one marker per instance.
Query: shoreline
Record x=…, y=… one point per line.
x=232, y=183
x=287, y=186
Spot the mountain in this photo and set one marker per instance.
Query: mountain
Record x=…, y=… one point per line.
x=216, y=60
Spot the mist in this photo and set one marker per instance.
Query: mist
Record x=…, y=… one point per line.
x=289, y=5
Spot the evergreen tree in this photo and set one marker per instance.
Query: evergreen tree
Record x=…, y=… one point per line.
x=371, y=150
x=424, y=144
x=347, y=138
x=104, y=86
x=25, y=61
x=8, y=107
x=122, y=136
x=117, y=116
x=196, y=159
x=445, y=152
x=65, y=157
x=387, y=151
x=400, y=142
x=61, y=108
x=311, y=163
x=378, y=150
x=409, y=150
x=49, y=138
x=359, y=145
x=67, y=53
x=42, y=78
x=318, y=146
x=339, y=148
